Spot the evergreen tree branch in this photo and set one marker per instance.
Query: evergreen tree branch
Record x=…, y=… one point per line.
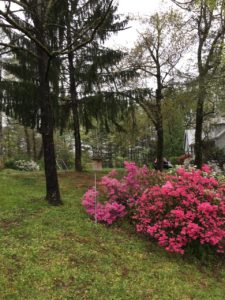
x=15, y=47
x=19, y=3
x=72, y=47
x=15, y=24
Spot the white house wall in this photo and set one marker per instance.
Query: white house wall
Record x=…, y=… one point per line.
x=220, y=142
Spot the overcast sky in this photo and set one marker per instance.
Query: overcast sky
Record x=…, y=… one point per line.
x=135, y=7
x=139, y=6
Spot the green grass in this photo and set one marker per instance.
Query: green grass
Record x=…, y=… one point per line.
x=59, y=253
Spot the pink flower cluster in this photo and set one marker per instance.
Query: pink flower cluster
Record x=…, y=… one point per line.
x=189, y=207
x=120, y=195
x=128, y=189
x=108, y=212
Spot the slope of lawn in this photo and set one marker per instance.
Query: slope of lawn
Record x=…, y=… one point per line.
x=58, y=253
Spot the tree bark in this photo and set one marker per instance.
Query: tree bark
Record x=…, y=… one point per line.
x=159, y=126
x=74, y=103
x=27, y=138
x=75, y=114
x=199, y=123
x=34, y=145
x=1, y=141
x=159, y=147
x=40, y=153
x=77, y=138
x=47, y=131
x=110, y=155
x=207, y=60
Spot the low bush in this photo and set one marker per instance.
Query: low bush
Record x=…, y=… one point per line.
x=181, y=211
x=187, y=211
x=22, y=165
x=119, y=196
x=108, y=212
x=10, y=164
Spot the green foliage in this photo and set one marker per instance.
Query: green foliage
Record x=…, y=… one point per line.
x=20, y=98
x=212, y=153
x=22, y=165
x=178, y=104
x=131, y=139
x=64, y=150
x=15, y=141
x=10, y=164
x=173, y=160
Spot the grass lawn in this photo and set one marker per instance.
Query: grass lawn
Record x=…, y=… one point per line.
x=59, y=253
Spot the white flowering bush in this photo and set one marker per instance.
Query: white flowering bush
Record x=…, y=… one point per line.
x=215, y=167
x=26, y=165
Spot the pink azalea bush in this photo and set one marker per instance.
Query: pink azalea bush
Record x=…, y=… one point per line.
x=181, y=211
x=108, y=212
x=120, y=195
x=129, y=189
x=188, y=209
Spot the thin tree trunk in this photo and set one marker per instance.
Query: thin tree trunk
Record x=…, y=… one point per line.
x=34, y=145
x=19, y=147
x=27, y=138
x=214, y=43
x=40, y=154
x=159, y=127
x=110, y=155
x=74, y=103
x=199, y=123
x=47, y=126
x=77, y=138
x=1, y=131
x=159, y=147
x=1, y=141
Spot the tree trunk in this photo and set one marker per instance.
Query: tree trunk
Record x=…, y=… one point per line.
x=199, y=124
x=47, y=126
x=74, y=103
x=34, y=145
x=159, y=147
x=27, y=138
x=1, y=141
x=110, y=155
x=40, y=154
x=77, y=138
x=159, y=128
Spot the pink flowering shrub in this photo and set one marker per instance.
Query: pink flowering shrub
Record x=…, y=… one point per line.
x=119, y=195
x=182, y=211
x=129, y=189
x=188, y=209
x=108, y=212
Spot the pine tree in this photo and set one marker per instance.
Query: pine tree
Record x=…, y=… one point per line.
x=42, y=25
x=86, y=78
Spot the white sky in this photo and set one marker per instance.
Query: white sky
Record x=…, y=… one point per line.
x=135, y=7
x=140, y=6
x=128, y=37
